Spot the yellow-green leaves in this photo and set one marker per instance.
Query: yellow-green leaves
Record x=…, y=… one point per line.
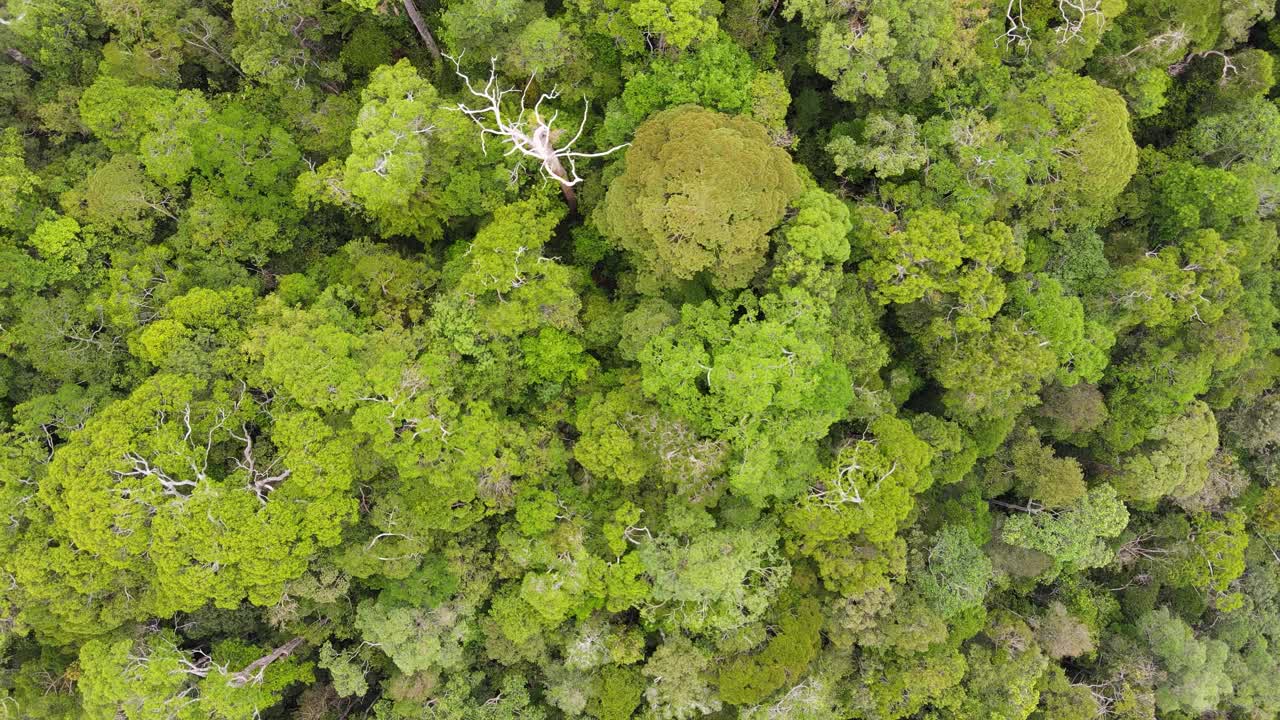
x=700, y=193
x=413, y=163
x=934, y=256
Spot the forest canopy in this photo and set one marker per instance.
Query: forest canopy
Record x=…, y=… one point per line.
x=639, y=359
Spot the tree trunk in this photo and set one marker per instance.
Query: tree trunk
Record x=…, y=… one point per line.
x=251, y=673
x=21, y=59
x=570, y=197
x=421, y=26
x=557, y=170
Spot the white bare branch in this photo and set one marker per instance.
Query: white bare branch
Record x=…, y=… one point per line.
x=142, y=468
x=1016, y=32
x=1228, y=67
x=262, y=480
x=1075, y=14
x=528, y=134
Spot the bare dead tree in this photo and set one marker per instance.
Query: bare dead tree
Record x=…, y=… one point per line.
x=420, y=25
x=531, y=137
x=1140, y=547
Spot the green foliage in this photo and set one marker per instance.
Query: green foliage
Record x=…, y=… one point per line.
x=936, y=258
x=888, y=46
x=700, y=193
x=153, y=677
x=1195, y=678
x=116, y=112
x=958, y=573
x=718, y=75
x=17, y=182
x=1004, y=669
x=401, y=141
x=685, y=690
x=1083, y=347
x=1212, y=557
x=717, y=581
x=1075, y=535
x=639, y=26
x=747, y=680
x=416, y=639
x=899, y=359
x=1077, y=133
x=849, y=520
x=619, y=694
x=278, y=43
x=890, y=146
x=1174, y=460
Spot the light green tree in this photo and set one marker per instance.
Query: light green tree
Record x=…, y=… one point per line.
x=701, y=192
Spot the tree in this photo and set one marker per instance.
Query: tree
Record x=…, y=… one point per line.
x=490, y=30
x=985, y=375
x=620, y=692
x=1004, y=669
x=1195, y=678
x=240, y=206
x=119, y=196
x=1174, y=460
x=402, y=143
x=850, y=518
x=701, y=191
x=1074, y=536
x=1082, y=346
x=1244, y=135
x=117, y=112
x=748, y=680
x=646, y=26
x=1211, y=557
x=280, y=43
x=718, y=74
x=892, y=686
x=1062, y=635
x=411, y=9
x=958, y=572
x=1077, y=134
x=1034, y=471
x=889, y=146
x=417, y=639
x=936, y=258
x=715, y=582
x=764, y=384
x=17, y=183
x=199, y=503
x=152, y=676
x=869, y=52
x=680, y=686
x=59, y=40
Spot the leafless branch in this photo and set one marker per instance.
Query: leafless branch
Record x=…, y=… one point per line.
x=531, y=137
